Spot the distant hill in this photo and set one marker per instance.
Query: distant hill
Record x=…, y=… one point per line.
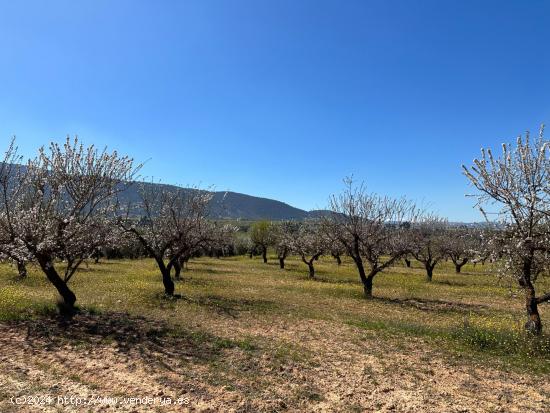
x=240, y=206
x=234, y=205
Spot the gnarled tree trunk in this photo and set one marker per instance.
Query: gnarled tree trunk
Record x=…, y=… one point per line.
x=167, y=282
x=429, y=271
x=367, y=285
x=282, y=262
x=21, y=269
x=534, y=324
x=169, y=286
x=459, y=264
x=177, y=269
x=264, y=254
x=69, y=298
x=311, y=270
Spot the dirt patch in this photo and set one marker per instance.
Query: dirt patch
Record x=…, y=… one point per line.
x=312, y=366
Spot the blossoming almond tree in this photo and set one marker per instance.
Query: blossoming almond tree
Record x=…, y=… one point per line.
x=309, y=243
x=60, y=206
x=428, y=242
x=370, y=228
x=210, y=236
x=262, y=236
x=460, y=245
x=11, y=247
x=168, y=222
x=517, y=183
x=283, y=238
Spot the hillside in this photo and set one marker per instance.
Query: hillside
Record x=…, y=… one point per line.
x=233, y=205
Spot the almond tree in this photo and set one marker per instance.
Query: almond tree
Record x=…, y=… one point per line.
x=220, y=237
x=428, y=243
x=336, y=251
x=460, y=246
x=168, y=222
x=283, y=238
x=517, y=184
x=261, y=234
x=60, y=207
x=370, y=228
x=309, y=243
x=206, y=237
x=11, y=247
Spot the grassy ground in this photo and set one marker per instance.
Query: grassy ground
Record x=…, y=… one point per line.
x=252, y=337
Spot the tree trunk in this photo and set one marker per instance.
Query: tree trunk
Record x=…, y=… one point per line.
x=177, y=270
x=167, y=282
x=169, y=286
x=408, y=263
x=367, y=281
x=64, y=291
x=429, y=272
x=337, y=258
x=21, y=269
x=534, y=324
x=367, y=286
x=311, y=270
x=282, y=263
x=459, y=265
x=264, y=254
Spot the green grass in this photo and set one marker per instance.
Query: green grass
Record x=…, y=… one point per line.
x=227, y=300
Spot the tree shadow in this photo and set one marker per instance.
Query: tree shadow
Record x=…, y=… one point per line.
x=450, y=283
x=231, y=306
x=322, y=278
x=151, y=340
x=425, y=304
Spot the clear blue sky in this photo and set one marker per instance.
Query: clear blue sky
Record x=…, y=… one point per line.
x=281, y=99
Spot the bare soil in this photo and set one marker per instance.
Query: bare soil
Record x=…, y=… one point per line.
x=323, y=367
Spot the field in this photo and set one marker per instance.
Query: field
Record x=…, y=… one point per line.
x=248, y=337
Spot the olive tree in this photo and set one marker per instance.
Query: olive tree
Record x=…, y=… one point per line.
x=517, y=185
x=370, y=228
x=168, y=222
x=60, y=206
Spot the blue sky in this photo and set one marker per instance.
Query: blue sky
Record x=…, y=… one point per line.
x=281, y=99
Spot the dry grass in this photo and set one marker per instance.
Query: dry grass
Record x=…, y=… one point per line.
x=251, y=337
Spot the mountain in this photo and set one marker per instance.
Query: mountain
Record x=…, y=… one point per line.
x=234, y=205
x=227, y=204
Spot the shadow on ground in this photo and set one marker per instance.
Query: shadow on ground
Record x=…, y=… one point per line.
x=435, y=305
x=153, y=340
